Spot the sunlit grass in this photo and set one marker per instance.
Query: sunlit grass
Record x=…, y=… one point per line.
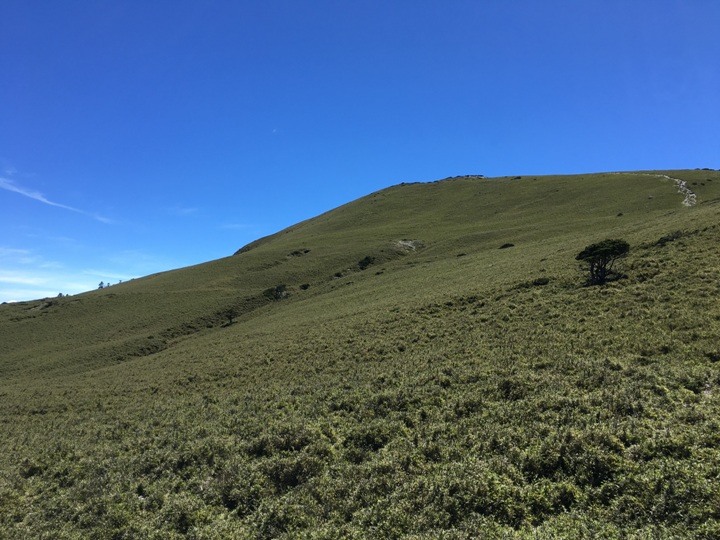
x=444, y=390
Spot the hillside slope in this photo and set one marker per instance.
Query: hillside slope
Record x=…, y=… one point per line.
x=466, y=215
x=410, y=378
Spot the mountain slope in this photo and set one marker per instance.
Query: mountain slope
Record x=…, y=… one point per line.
x=411, y=378
x=465, y=215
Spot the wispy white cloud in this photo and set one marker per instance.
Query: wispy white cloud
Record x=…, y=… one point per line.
x=35, y=282
x=18, y=278
x=101, y=219
x=12, y=253
x=8, y=294
x=27, y=275
x=51, y=265
x=12, y=257
x=9, y=185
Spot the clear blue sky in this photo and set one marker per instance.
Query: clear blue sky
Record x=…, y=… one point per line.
x=142, y=136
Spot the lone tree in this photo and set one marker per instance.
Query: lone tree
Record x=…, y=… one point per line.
x=600, y=258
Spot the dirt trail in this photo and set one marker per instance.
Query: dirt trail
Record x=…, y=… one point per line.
x=681, y=185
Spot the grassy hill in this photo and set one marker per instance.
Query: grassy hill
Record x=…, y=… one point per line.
x=386, y=370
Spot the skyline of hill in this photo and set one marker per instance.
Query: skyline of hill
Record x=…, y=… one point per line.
x=422, y=362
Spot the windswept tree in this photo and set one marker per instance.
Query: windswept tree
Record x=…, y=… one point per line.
x=601, y=257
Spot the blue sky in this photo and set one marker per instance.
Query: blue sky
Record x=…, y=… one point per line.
x=137, y=136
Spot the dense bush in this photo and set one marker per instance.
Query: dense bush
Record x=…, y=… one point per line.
x=278, y=292
x=365, y=262
x=601, y=257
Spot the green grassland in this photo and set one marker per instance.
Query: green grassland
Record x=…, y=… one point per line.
x=385, y=370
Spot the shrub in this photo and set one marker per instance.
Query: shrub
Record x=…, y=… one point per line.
x=239, y=488
x=278, y=292
x=668, y=238
x=230, y=315
x=288, y=472
x=365, y=262
x=601, y=257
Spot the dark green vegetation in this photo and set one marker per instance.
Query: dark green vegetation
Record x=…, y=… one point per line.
x=355, y=377
x=601, y=257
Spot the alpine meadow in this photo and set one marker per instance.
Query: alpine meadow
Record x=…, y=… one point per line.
x=429, y=361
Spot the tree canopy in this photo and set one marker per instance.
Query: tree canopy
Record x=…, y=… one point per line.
x=601, y=257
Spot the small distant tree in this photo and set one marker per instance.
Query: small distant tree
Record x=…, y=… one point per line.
x=601, y=257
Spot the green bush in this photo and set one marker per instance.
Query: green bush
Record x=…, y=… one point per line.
x=600, y=259
x=278, y=292
x=365, y=262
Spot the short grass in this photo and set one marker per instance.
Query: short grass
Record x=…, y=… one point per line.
x=443, y=391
